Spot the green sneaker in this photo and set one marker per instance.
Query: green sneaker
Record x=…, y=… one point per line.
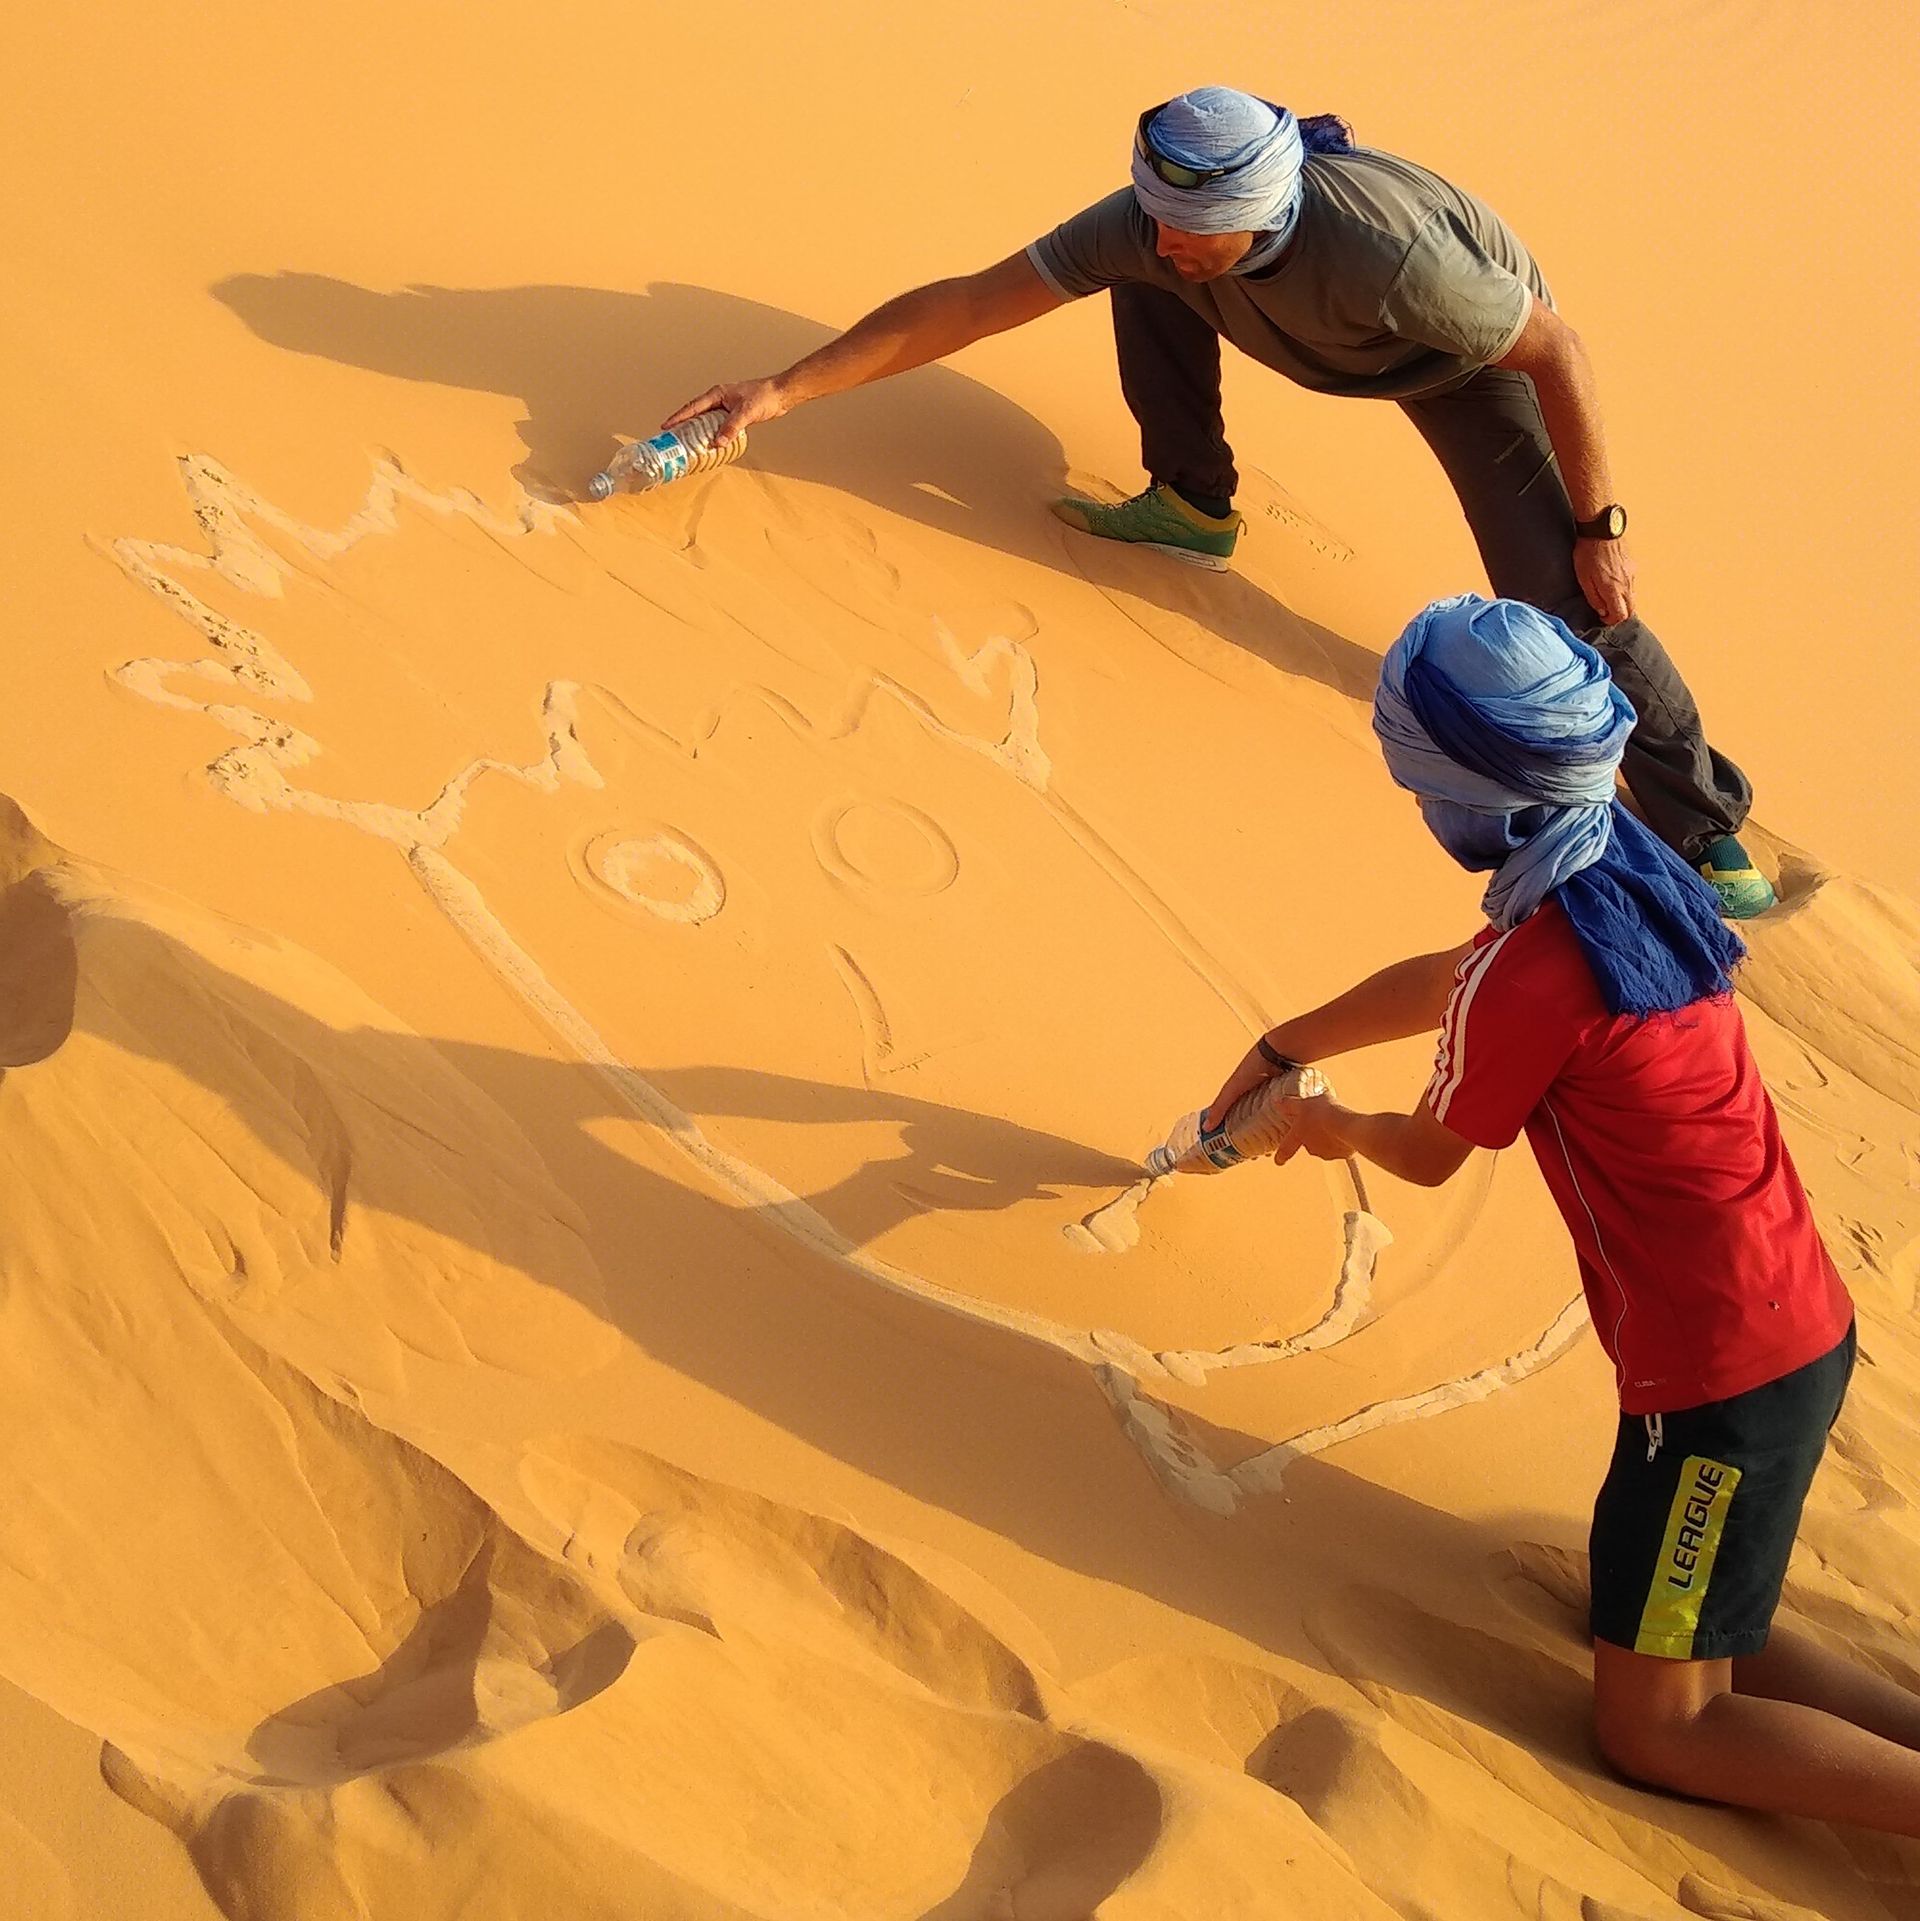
x=1158, y=519
x=1744, y=891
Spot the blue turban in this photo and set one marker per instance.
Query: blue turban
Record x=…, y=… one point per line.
x=1509, y=730
x=1222, y=127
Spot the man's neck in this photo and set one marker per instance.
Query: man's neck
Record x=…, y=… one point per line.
x=1268, y=268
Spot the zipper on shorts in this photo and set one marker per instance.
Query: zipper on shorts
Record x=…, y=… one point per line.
x=1656, y=1434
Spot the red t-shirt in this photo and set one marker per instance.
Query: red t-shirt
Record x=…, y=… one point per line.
x=1703, y=1270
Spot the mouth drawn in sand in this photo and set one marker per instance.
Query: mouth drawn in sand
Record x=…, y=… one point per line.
x=742, y=797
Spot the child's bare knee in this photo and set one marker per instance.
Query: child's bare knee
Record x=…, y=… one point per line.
x=1641, y=1747
x=1621, y=1748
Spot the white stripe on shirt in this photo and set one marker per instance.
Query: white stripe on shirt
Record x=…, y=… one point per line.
x=1040, y=267
x=1443, y=1054
x=1451, y=1068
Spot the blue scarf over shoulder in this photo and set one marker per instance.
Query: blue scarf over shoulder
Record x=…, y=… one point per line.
x=1509, y=730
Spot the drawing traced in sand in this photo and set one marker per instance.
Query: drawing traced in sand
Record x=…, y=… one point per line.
x=882, y=847
x=660, y=873
x=888, y=854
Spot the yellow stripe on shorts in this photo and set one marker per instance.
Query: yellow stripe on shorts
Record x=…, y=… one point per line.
x=1694, y=1526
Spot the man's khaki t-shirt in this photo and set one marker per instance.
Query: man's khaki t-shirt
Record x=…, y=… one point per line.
x=1396, y=283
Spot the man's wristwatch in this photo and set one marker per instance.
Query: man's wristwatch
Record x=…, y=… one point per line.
x=1608, y=524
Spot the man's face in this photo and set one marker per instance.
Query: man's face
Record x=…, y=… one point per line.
x=1200, y=256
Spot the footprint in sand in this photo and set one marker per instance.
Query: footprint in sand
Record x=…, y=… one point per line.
x=1485, y=1739
x=466, y=1634
x=711, y=1652
x=1838, y=966
x=680, y=1548
x=38, y=960
x=1548, y=1586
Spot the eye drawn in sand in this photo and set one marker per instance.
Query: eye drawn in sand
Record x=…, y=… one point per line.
x=659, y=872
x=872, y=844
x=879, y=847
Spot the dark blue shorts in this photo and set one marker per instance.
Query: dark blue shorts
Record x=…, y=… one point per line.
x=1696, y=1519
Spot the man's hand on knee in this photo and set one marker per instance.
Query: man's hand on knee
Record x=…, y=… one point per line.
x=1604, y=569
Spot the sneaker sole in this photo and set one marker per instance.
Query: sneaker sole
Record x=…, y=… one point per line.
x=1213, y=563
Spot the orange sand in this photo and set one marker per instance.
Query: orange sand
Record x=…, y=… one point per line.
x=574, y=1339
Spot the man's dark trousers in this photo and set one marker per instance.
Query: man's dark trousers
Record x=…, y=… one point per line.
x=1490, y=438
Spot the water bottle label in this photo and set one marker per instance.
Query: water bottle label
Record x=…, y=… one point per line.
x=670, y=455
x=1219, y=1149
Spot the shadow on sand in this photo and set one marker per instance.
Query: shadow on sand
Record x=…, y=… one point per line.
x=1005, y=1434
x=932, y=446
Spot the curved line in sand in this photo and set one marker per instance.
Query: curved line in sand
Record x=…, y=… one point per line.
x=1188, y=1471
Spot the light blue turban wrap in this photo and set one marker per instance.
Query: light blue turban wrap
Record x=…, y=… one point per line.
x=1222, y=127
x=1510, y=729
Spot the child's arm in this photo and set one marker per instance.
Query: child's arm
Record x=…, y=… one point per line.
x=1414, y=1146
x=1410, y=997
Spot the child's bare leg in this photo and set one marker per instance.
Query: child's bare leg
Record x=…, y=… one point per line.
x=1794, y=1667
x=1680, y=1725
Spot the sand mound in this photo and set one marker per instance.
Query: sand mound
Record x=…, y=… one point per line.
x=580, y=1330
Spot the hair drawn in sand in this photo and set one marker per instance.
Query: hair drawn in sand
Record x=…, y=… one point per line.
x=860, y=842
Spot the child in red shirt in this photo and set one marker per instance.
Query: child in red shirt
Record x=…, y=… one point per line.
x=1595, y=1014
x=1702, y=1267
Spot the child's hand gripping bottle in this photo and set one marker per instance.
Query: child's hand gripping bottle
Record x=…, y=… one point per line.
x=1252, y=1126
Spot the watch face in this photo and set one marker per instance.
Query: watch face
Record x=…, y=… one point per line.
x=1615, y=522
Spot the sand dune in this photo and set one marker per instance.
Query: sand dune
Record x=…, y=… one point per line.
x=580, y=1327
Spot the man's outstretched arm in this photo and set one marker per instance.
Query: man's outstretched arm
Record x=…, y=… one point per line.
x=913, y=328
x=1554, y=357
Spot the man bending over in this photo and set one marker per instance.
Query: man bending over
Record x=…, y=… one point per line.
x=1351, y=272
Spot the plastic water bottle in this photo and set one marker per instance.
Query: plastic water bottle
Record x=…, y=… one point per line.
x=1251, y=1127
x=690, y=448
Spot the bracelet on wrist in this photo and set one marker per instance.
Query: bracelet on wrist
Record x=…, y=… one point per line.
x=1273, y=1057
